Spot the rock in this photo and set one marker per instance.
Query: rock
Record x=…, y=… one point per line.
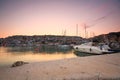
x=19, y=63
x=112, y=39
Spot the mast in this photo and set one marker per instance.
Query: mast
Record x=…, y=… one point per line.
x=64, y=32
x=85, y=29
x=76, y=29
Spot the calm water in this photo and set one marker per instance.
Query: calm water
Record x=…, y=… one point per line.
x=8, y=55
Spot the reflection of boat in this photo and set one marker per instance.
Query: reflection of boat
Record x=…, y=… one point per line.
x=82, y=54
x=64, y=46
x=90, y=47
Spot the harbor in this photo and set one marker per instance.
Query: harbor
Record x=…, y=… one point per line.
x=60, y=40
x=51, y=47
x=48, y=61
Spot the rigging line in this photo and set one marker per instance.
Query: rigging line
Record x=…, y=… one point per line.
x=101, y=18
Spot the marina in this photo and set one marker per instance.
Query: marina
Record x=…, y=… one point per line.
x=60, y=40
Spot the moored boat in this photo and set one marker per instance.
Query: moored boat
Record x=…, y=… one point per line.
x=92, y=48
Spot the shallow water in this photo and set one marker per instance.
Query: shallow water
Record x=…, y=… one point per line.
x=8, y=55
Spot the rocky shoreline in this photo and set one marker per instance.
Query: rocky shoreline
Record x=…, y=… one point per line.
x=112, y=39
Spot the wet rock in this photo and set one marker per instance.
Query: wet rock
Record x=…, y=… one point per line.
x=18, y=63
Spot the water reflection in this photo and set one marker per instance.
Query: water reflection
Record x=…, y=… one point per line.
x=83, y=54
x=41, y=49
x=8, y=55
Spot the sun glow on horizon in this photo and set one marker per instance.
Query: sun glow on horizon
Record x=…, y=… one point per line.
x=53, y=17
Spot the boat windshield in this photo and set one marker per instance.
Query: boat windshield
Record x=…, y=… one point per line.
x=88, y=44
x=91, y=44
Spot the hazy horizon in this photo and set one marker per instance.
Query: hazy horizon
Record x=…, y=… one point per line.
x=58, y=17
x=56, y=35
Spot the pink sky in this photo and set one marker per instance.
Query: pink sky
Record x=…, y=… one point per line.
x=52, y=17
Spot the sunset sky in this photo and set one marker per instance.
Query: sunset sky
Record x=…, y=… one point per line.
x=53, y=17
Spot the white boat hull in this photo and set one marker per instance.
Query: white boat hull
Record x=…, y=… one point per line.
x=90, y=49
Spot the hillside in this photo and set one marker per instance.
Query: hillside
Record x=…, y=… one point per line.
x=112, y=39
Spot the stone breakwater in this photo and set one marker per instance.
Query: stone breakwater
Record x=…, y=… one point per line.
x=39, y=40
x=112, y=39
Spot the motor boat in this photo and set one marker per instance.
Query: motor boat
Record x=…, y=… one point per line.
x=92, y=48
